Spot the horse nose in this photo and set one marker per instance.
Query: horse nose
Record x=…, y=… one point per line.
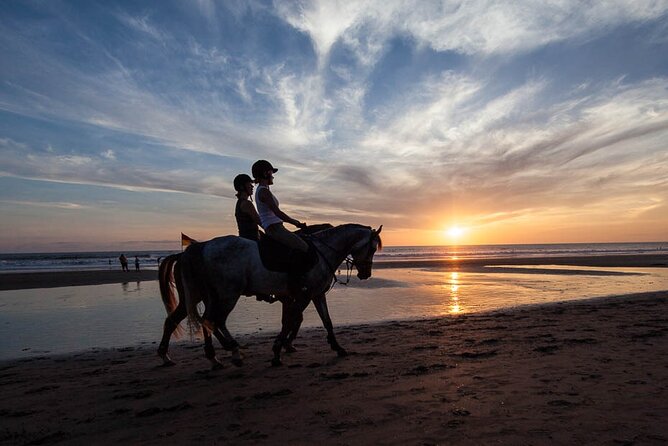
x=363, y=275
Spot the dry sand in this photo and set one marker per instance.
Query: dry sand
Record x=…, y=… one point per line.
x=588, y=372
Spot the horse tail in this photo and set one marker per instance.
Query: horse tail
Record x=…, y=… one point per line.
x=193, y=280
x=166, y=281
x=168, y=277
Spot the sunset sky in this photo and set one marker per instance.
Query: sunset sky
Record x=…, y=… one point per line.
x=123, y=124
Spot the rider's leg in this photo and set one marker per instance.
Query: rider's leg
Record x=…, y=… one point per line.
x=280, y=233
x=296, y=273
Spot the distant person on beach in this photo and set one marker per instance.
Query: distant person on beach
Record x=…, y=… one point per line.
x=124, y=262
x=136, y=263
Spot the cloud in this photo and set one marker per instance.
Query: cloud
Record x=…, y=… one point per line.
x=380, y=120
x=478, y=27
x=143, y=25
x=54, y=205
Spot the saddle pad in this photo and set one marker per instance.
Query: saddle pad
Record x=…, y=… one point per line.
x=274, y=255
x=277, y=257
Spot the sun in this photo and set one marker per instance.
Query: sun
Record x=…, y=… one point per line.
x=455, y=232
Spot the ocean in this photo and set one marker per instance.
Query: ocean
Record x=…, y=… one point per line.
x=72, y=261
x=80, y=318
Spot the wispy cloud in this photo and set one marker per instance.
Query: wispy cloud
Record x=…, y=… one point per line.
x=54, y=205
x=420, y=108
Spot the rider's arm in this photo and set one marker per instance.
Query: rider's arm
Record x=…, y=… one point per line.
x=266, y=198
x=248, y=208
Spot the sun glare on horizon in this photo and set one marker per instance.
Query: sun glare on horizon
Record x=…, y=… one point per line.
x=455, y=232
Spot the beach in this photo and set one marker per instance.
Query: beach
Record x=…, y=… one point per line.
x=53, y=279
x=592, y=371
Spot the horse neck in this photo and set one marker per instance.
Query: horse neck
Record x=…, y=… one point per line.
x=341, y=241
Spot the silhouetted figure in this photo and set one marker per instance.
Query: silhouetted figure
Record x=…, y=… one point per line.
x=248, y=222
x=272, y=218
x=136, y=263
x=124, y=262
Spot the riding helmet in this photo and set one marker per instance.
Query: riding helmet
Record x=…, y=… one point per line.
x=260, y=167
x=240, y=182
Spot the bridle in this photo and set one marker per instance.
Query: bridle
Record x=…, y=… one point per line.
x=349, y=261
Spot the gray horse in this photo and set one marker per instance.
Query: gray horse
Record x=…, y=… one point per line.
x=169, y=274
x=223, y=269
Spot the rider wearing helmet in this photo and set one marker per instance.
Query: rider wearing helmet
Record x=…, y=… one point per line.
x=247, y=223
x=244, y=212
x=272, y=218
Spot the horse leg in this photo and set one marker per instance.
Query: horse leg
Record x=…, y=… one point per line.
x=171, y=322
x=290, y=324
x=226, y=305
x=292, y=334
x=210, y=351
x=320, y=303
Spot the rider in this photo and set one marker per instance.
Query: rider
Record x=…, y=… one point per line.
x=272, y=217
x=247, y=218
x=244, y=212
x=247, y=224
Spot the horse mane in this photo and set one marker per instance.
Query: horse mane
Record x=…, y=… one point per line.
x=328, y=231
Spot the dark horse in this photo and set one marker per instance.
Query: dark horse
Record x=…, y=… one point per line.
x=227, y=267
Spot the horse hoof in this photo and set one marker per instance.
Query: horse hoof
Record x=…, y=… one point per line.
x=276, y=362
x=342, y=353
x=166, y=360
x=217, y=365
x=237, y=362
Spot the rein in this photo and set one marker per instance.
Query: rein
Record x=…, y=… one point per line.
x=350, y=263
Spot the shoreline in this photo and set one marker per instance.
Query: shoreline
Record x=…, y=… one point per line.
x=579, y=372
x=53, y=279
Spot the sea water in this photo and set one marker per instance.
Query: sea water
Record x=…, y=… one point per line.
x=74, y=261
x=68, y=319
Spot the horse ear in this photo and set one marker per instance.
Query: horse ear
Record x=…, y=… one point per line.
x=379, y=229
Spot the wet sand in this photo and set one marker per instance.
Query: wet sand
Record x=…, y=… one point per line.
x=21, y=281
x=587, y=372
x=16, y=281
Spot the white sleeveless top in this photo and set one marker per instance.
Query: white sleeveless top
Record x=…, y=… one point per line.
x=267, y=216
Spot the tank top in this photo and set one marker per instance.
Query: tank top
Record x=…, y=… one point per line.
x=267, y=216
x=245, y=224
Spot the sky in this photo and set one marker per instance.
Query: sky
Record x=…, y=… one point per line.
x=122, y=124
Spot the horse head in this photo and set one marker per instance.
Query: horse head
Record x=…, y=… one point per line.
x=363, y=253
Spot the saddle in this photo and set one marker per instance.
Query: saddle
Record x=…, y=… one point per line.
x=280, y=258
x=277, y=257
